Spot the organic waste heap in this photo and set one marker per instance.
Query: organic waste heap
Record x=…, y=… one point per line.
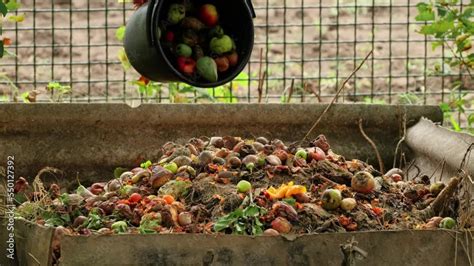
x=251, y=187
x=196, y=42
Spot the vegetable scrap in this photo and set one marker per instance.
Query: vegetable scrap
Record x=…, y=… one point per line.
x=231, y=185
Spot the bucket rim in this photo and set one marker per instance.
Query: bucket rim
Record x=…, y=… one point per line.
x=183, y=78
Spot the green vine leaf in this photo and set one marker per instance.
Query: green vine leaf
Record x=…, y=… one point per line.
x=425, y=12
x=13, y=5
x=120, y=33
x=3, y=9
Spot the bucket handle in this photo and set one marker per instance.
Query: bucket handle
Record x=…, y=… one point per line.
x=150, y=22
x=250, y=6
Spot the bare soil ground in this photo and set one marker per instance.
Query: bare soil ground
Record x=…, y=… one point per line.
x=314, y=42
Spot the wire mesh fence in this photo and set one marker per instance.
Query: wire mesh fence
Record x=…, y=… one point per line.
x=303, y=50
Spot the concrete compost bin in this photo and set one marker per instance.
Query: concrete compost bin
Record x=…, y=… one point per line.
x=90, y=140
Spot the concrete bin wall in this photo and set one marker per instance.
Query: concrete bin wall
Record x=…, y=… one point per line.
x=90, y=140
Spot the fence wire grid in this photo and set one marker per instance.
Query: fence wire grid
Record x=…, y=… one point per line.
x=304, y=47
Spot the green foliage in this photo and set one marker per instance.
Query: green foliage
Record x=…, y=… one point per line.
x=451, y=26
x=12, y=5
x=120, y=33
x=242, y=221
x=5, y=8
x=146, y=164
x=55, y=219
x=94, y=221
x=408, y=98
x=457, y=104
x=58, y=90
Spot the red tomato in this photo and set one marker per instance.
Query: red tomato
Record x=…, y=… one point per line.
x=135, y=198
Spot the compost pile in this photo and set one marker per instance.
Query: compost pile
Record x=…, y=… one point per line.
x=231, y=185
x=196, y=42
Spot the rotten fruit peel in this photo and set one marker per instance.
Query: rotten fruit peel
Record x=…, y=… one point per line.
x=231, y=185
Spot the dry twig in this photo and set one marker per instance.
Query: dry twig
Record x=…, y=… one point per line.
x=377, y=153
x=336, y=96
x=261, y=77
x=440, y=201
x=290, y=92
x=404, y=122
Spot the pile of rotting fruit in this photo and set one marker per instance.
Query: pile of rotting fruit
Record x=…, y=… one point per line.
x=235, y=186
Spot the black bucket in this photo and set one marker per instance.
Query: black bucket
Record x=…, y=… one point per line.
x=150, y=59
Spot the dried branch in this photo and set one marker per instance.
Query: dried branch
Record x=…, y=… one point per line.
x=438, y=204
x=335, y=97
x=404, y=121
x=377, y=153
x=261, y=77
x=290, y=92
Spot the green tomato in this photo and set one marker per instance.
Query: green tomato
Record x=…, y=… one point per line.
x=184, y=50
x=119, y=227
x=243, y=186
x=176, y=13
x=331, y=199
x=221, y=45
x=447, y=223
x=207, y=68
x=250, y=166
x=172, y=167
x=301, y=154
x=125, y=190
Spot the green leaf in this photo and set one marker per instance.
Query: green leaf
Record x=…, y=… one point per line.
x=227, y=220
x=146, y=164
x=13, y=5
x=425, y=12
x=445, y=108
x=251, y=211
x=120, y=33
x=470, y=57
x=441, y=10
x=65, y=217
x=119, y=171
x=55, y=221
x=122, y=56
x=290, y=201
x=24, y=97
x=239, y=228
x=454, y=123
x=221, y=94
x=436, y=44
x=64, y=198
x=468, y=13
x=19, y=18
x=439, y=27
x=3, y=8
x=470, y=119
